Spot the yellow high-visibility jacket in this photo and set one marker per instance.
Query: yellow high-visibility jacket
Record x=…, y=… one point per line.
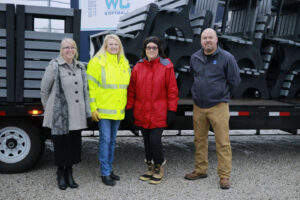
x=108, y=80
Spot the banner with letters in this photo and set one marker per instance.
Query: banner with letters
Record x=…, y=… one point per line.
x=105, y=14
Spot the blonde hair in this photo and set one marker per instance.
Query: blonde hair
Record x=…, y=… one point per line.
x=103, y=48
x=71, y=41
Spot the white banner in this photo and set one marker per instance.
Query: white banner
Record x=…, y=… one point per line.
x=105, y=14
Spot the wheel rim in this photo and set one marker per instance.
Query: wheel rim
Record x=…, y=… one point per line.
x=14, y=144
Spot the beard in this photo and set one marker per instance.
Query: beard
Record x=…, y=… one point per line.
x=208, y=49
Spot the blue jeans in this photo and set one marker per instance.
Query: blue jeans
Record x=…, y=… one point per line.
x=108, y=131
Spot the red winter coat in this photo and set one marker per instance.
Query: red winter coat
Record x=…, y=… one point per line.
x=152, y=91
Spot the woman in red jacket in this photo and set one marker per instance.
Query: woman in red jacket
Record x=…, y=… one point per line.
x=152, y=103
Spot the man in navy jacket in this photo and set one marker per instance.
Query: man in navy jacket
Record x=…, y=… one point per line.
x=216, y=75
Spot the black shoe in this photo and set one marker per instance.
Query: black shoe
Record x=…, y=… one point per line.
x=69, y=178
x=114, y=177
x=61, y=181
x=107, y=180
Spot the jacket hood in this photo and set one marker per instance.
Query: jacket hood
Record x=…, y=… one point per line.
x=163, y=61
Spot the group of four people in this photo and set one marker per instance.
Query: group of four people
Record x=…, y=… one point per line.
x=148, y=95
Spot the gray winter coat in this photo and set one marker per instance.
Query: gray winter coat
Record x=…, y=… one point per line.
x=215, y=77
x=73, y=87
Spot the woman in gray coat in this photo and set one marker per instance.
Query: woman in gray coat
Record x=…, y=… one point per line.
x=65, y=99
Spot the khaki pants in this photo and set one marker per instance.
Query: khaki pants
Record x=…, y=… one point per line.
x=218, y=117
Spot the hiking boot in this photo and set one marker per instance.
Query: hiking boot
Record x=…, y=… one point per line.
x=194, y=175
x=224, y=183
x=148, y=175
x=158, y=174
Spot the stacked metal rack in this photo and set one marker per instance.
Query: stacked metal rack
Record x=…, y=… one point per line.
x=263, y=35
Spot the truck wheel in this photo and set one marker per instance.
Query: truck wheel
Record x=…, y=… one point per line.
x=20, y=148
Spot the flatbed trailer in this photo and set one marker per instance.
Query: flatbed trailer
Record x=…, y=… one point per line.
x=22, y=136
x=245, y=114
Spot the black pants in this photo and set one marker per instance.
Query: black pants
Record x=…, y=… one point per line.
x=67, y=148
x=153, y=145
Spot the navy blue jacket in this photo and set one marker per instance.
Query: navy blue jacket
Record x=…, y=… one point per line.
x=215, y=76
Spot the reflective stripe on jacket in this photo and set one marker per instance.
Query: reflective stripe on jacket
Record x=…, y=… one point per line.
x=108, y=80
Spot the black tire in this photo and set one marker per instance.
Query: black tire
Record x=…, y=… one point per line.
x=21, y=146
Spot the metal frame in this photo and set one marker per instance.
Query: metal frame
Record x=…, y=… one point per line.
x=7, y=22
x=25, y=22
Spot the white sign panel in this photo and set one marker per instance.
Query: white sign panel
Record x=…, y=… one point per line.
x=105, y=14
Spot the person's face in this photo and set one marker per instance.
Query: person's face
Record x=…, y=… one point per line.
x=209, y=41
x=68, y=51
x=113, y=46
x=151, y=51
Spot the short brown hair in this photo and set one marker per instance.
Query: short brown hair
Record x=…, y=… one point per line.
x=155, y=40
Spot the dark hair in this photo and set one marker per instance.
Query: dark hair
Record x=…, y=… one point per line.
x=155, y=40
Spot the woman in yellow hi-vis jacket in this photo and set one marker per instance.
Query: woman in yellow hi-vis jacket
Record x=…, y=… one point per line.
x=108, y=74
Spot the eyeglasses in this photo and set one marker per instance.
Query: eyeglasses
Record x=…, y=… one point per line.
x=68, y=48
x=151, y=48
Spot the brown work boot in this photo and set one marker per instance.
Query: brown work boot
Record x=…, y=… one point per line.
x=194, y=175
x=148, y=175
x=224, y=183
